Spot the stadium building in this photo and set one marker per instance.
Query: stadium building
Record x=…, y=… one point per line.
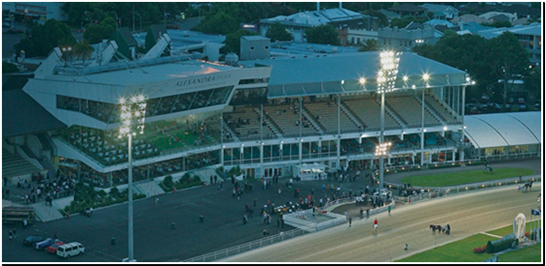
x=269, y=116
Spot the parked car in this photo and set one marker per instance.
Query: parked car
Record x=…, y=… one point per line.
x=53, y=248
x=42, y=245
x=70, y=249
x=523, y=107
x=31, y=240
x=521, y=100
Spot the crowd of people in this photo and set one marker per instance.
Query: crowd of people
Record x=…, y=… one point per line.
x=47, y=187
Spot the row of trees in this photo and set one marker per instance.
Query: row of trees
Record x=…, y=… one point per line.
x=486, y=60
x=43, y=38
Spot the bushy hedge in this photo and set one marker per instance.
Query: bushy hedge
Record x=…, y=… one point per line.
x=185, y=181
x=501, y=245
x=86, y=197
x=9, y=68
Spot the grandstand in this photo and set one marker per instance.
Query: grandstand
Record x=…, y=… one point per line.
x=262, y=115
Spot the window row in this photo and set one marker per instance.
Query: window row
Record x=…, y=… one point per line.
x=110, y=113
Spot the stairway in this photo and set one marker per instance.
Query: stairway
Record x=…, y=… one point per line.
x=352, y=116
x=313, y=122
x=269, y=124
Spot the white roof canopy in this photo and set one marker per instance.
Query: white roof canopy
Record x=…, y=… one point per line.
x=504, y=129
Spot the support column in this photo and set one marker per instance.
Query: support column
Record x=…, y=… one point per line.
x=338, y=132
x=461, y=153
x=300, y=150
x=262, y=159
x=422, y=125
x=381, y=140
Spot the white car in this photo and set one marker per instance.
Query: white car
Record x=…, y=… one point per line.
x=70, y=249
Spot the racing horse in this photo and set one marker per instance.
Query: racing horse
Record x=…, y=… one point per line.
x=528, y=186
x=435, y=227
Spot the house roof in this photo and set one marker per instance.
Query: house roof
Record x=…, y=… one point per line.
x=468, y=18
x=315, y=18
x=438, y=8
x=436, y=22
x=414, y=25
x=407, y=8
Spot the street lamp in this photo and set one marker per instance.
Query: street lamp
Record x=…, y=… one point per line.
x=386, y=79
x=67, y=53
x=133, y=112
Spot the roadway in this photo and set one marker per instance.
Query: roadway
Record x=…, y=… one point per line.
x=468, y=214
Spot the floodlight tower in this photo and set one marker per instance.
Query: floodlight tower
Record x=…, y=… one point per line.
x=133, y=112
x=386, y=79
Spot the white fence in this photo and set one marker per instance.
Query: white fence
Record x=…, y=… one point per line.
x=213, y=256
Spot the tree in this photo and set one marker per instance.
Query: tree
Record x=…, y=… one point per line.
x=278, y=32
x=369, y=45
x=83, y=50
x=43, y=38
x=532, y=81
x=383, y=20
x=506, y=58
x=219, y=23
x=466, y=52
x=233, y=41
x=95, y=33
x=9, y=68
x=498, y=24
x=324, y=34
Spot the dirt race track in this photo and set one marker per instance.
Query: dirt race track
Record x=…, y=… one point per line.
x=468, y=214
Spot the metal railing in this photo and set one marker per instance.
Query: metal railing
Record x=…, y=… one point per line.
x=262, y=242
x=429, y=193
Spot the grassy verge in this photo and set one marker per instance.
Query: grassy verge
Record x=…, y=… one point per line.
x=527, y=254
x=465, y=177
x=509, y=229
x=459, y=251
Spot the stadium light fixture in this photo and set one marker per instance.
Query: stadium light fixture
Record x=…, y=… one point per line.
x=133, y=113
x=386, y=79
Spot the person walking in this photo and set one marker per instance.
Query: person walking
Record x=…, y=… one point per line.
x=350, y=220
x=10, y=235
x=361, y=213
x=367, y=213
x=389, y=210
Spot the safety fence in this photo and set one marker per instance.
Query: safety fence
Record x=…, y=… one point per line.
x=429, y=193
x=262, y=242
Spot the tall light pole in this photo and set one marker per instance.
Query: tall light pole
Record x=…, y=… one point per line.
x=426, y=77
x=133, y=112
x=386, y=79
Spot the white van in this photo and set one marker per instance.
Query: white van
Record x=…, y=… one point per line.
x=70, y=249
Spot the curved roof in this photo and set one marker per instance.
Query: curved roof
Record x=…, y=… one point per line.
x=504, y=129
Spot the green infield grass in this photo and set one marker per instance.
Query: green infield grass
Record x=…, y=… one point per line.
x=459, y=251
x=465, y=177
x=509, y=229
x=526, y=254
